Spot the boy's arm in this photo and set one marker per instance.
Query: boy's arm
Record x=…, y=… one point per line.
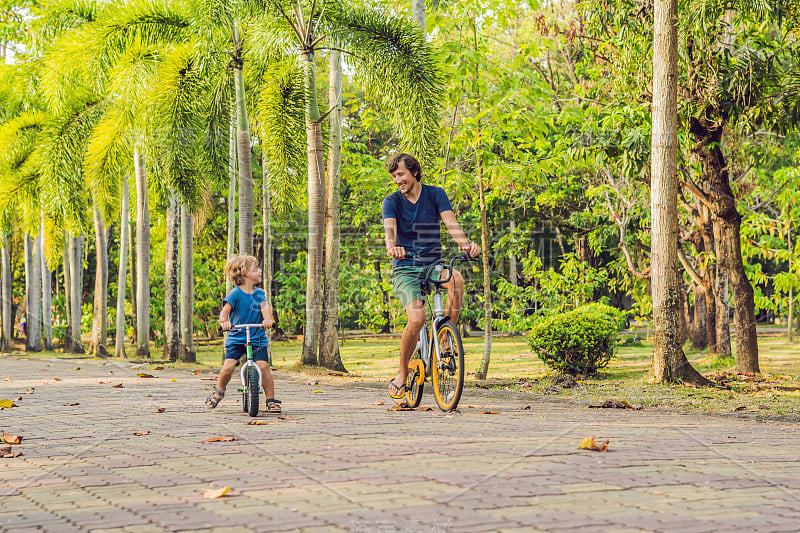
x=266, y=314
x=454, y=228
x=224, y=316
x=390, y=231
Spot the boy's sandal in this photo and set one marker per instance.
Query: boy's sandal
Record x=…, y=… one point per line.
x=211, y=400
x=273, y=405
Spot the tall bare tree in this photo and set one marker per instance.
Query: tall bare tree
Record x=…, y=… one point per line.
x=669, y=361
x=172, y=338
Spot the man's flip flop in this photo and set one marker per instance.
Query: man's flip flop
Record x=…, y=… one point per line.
x=401, y=391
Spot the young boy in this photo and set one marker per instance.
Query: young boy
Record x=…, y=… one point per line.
x=245, y=304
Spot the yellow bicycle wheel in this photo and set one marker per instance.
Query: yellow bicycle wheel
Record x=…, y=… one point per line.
x=415, y=381
x=447, y=366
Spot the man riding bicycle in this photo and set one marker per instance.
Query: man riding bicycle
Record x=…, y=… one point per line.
x=411, y=218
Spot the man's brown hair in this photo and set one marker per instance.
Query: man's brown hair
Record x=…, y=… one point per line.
x=237, y=267
x=409, y=161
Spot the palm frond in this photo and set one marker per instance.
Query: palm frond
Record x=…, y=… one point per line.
x=397, y=66
x=108, y=157
x=280, y=122
x=64, y=143
x=176, y=117
x=53, y=19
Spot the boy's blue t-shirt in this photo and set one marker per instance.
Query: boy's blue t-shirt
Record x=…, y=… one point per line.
x=418, y=227
x=246, y=309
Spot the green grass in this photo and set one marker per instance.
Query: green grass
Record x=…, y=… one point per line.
x=514, y=367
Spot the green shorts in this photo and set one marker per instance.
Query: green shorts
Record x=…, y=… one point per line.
x=407, y=282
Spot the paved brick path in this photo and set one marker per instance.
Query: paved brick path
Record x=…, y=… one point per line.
x=338, y=462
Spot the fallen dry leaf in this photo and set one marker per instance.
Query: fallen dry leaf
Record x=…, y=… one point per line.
x=8, y=438
x=8, y=378
x=28, y=391
x=174, y=379
x=76, y=368
x=160, y=410
x=589, y=443
x=57, y=379
x=196, y=371
x=488, y=412
x=158, y=367
x=740, y=408
x=11, y=455
x=221, y=438
x=377, y=403
x=141, y=433
x=616, y=404
x=317, y=392
x=524, y=407
x=405, y=407
x=135, y=367
x=143, y=375
x=4, y=404
x=117, y=386
x=69, y=404
x=208, y=379
x=215, y=493
x=312, y=382
x=290, y=418
x=256, y=423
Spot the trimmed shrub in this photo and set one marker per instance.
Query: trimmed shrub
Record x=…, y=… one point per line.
x=579, y=341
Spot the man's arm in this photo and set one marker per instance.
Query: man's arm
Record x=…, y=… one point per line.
x=390, y=231
x=454, y=228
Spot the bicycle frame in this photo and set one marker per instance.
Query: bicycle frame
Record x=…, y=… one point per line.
x=249, y=362
x=427, y=345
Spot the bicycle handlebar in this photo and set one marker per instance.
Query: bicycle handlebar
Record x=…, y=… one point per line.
x=461, y=257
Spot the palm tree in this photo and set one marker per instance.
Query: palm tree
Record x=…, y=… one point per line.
x=100, y=314
x=47, y=293
x=395, y=64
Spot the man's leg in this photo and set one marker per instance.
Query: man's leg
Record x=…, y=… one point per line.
x=455, y=296
x=416, y=319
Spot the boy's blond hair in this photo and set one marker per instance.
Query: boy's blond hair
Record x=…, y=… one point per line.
x=237, y=267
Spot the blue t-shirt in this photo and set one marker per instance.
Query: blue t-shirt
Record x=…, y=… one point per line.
x=246, y=309
x=418, y=228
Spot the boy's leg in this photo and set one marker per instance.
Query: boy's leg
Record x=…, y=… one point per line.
x=266, y=379
x=222, y=381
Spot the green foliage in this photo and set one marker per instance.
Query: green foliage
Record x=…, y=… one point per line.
x=580, y=341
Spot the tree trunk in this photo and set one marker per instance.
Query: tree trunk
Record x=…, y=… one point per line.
x=47, y=296
x=100, y=308
x=483, y=370
x=709, y=275
x=418, y=13
x=76, y=292
x=243, y=152
x=387, y=320
x=669, y=361
x=231, y=245
x=187, y=353
x=728, y=220
x=33, y=293
x=699, y=318
x=723, y=333
x=122, y=281
x=266, y=217
x=512, y=259
x=142, y=258
x=132, y=251
x=329, y=355
x=172, y=338
x=8, y=318
x=67, y=292
x=316, y=216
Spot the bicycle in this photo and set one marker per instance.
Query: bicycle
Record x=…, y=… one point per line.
x=440, y=356
x=251, y=374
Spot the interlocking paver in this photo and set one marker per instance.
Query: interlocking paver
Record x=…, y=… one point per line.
x=337, y=462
